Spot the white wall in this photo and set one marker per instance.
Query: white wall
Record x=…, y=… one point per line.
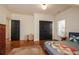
x=4, y=17
x=72, y=20
x=37, y=18
x=26, y=24
x=29, y=24
x=4, y=13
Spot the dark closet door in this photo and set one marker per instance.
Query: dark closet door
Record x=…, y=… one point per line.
x=15, y=30
x=45, y=30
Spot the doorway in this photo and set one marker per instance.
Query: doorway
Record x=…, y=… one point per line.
x=15, y=33
x=15, y=30
x=45, y=30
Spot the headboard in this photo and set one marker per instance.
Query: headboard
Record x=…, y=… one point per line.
x=74, y=36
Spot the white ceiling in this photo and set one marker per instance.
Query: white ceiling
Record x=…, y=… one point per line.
x=36, y=8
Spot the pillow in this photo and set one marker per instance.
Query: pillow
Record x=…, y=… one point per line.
x=73, y=38
x=77, y=39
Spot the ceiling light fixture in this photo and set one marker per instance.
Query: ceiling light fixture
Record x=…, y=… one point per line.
x=44, y=6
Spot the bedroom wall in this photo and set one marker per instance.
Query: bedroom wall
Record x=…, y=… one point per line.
x=26, y=24
x=4, y=13
x=29, y=24
x=72, y=20
x=38, y=17
x=4, y=17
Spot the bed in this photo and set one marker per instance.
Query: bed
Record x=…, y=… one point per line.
x=51, y=50
x=71, y=43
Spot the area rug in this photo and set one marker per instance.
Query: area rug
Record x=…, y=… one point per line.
x=29, y=50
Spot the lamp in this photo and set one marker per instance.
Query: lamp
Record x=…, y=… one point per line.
x=44, y=6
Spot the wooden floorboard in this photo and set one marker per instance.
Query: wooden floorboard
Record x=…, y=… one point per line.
x=29, y=50
x=29, y=43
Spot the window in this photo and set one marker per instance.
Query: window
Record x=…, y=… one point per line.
x=61, y=27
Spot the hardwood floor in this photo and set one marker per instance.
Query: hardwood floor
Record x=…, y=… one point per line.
x=30, y=43
x=29, y=50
